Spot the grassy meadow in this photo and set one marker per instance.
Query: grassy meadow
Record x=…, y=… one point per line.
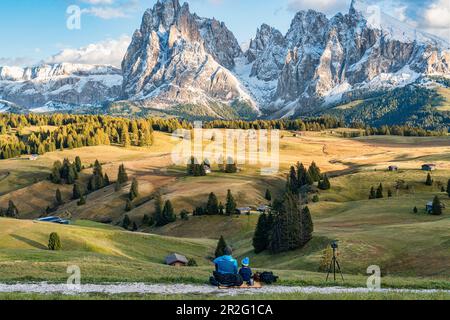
x=412, y=249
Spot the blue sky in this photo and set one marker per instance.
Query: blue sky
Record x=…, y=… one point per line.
x=32, y=30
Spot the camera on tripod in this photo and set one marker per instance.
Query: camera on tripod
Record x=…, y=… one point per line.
x=335, y=244
x=334, y=264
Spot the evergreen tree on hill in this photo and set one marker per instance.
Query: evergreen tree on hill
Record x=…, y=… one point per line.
x=212, y=207
x=221, y=245
x=437, y=207
x=134, y=190
x=230, y=206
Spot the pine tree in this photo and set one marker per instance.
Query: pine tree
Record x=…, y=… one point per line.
x=230, y=206
x=307, y=226
x=82, y=201
x=76, y=192
x=437, y=207
x=135, y=227
x=168, y=212
x=221, y=245
x=314, y=172
x=54, y=242
x=78, y=164
x=268, y=195
x=12, y=211
x=261, y=236
x=212, y=207
x=325, y=183
x=379, y=194
x=122, y=175
x=184, y=215
x=429, y=181
x=106, y=180
x=129, y=205
x=134, y=191
x=58, y=197
x=372, y=194
x=126, y=222
x=415, y=210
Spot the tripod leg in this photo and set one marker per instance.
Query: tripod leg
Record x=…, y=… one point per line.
x=334, y=269
x=329, y=269
x=340, y=271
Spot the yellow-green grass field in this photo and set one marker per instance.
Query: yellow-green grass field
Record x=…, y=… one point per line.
x=413, y=250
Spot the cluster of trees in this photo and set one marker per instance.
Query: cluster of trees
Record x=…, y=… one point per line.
x=164, y=214
x=379, y=192
x=214, y=207
x=10, y=212
x=98, y=180
x=288, y=226
x=301, y=179
x=73, y=131
x=196, y=169
x=65, y=172
x=308, y=124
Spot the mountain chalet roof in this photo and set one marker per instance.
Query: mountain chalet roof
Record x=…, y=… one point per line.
x=174, y=258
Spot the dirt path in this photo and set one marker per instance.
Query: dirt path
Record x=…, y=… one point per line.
x=171, y=289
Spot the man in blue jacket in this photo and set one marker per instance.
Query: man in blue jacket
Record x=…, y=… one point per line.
x=227, y=273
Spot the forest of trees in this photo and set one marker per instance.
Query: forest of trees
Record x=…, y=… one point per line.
x=74, y=131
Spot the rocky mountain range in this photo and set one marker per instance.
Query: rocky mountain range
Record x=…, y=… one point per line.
x=184, y=64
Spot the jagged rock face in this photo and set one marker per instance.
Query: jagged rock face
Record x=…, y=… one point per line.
x=59, y=84
x=178, y=58
x=328, y=57
x=268, y=52
x=219, y=41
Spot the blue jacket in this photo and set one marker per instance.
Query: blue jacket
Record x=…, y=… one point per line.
x=226, y=265
x=246, y=273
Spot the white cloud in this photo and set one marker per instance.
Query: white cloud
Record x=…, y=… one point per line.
x=109, y=52
x=435, y=19
x=437, y=15
x=16, y=62
x=325, y=6
x=110, y=9
x=105, y=12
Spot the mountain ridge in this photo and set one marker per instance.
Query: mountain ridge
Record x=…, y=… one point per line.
x=177, y=59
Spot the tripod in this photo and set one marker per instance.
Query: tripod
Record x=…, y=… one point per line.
x=333, y=264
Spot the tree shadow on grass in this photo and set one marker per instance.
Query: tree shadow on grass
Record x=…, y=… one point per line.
x=30, y=242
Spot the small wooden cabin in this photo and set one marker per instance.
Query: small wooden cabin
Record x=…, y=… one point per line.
x=176, y=260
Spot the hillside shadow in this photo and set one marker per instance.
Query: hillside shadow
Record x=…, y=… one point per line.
x=30, y=242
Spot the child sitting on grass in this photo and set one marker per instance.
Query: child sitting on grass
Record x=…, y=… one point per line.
x=246, y=272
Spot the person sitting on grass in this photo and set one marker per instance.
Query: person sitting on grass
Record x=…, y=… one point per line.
x=246, y=273
x=226, y=273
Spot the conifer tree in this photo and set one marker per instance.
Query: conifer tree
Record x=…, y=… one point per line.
x=212, y=207
x=230, y=206
x=129, y=205
x=76, y=192
x=437, y=207
x=268, y=195
x=54, y=242
x=159, y=218
x=325, y=183
x=221, y=245
x=261, y=236
x=379, y=194
x=372, y=194
x=168, y=212
x=126, y=222
x=122, y=175
x=429, y=181
x=134, y=190
x=58, y=197
x=78, y=164
x=12, y=211
x=314, y=172
x=82, y=201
